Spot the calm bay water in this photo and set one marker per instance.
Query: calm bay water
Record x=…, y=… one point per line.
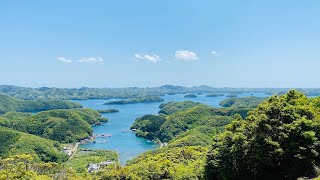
x=127, y=144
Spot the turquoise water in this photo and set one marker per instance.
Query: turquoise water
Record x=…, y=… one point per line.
x=127, y=144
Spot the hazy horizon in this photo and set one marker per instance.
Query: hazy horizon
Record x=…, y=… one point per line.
x=215, y=87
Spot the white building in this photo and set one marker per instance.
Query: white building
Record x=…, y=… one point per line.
x=96, y=167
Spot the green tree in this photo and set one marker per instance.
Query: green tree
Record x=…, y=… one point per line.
x=18, y=167
x=278, y=140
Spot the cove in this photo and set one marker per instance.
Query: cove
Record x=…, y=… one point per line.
x=127, y=144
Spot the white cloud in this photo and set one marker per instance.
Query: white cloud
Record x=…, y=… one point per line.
x=93, y=60
x=138, y=56
x=215, y=53
x=64, y=60
x=185, y=55
x=153, y=58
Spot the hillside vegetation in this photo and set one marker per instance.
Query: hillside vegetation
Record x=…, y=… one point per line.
x=107, y=111
x=177, y=163
x=278, y=139
x=60, y=125
x=173, y=107
x=8, y=104
x=14, y=143
x=25, y=167
x=190, y=96
x=245, y=102
x=176, y=118
x=146, y=99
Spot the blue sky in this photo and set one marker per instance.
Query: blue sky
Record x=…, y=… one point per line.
x=117, y=43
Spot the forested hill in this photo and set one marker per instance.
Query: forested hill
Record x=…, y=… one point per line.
x=14, y=142
x=279, y=139
x=146, y=99
x=129, y=92
x=248, y=102
x=63, y=125
x=8, y=103
x=185, y=123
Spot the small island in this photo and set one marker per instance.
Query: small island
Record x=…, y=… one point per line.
x=108, y=111
x=214, y=95
x=145, y=99
x=232, y=95
x=190, y=96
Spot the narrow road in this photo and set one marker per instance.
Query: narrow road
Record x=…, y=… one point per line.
x=74, y=150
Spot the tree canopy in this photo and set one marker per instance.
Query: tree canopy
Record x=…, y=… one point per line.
x=8, y=104
x=60, y=125
x=245, y=102
x=14, y=143
x=278, y=140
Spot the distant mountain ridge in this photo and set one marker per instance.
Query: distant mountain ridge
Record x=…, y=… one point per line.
x=47, y=93
x=8, y=103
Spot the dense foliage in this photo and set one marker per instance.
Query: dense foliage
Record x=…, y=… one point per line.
x=25, y=167
x=8, y=103
x=145, y=99
x=194, y=117
x=173, y=107
x=108, y=111
x=60, y=125
x=200, y=136
x=278, y=140
x=179, y=117
x=148, y=126
x=245, y=102
x=14, y=143
x=175, y=163
x=190, y=96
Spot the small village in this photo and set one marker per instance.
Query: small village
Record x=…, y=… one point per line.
x=72, y=149
x=94, y=167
